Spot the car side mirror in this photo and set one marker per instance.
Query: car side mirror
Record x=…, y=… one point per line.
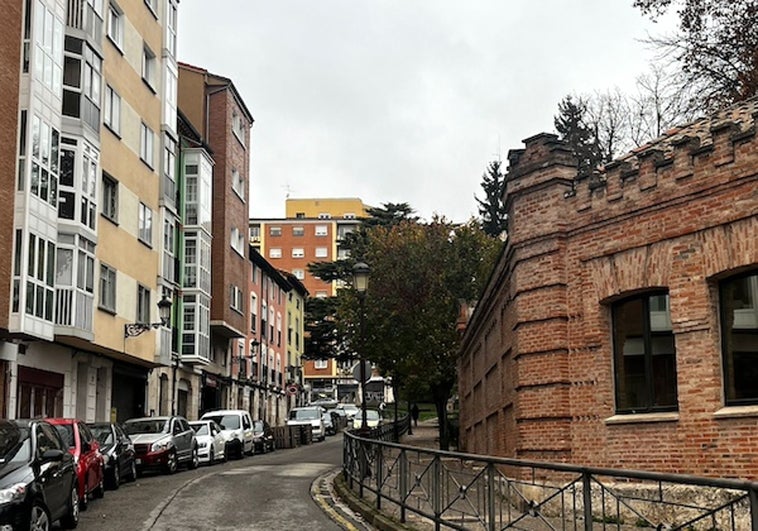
x=52, y=455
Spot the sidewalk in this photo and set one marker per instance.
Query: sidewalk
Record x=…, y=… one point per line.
x=425, y=435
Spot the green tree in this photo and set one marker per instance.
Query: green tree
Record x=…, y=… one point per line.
x=420, y=272
x=492, y=207
x=716, y=45
x=574, y=127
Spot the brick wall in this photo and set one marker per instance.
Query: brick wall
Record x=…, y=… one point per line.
x=229, y=210
x=680, y=214
x=10, y=65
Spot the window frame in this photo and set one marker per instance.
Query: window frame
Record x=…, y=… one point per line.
x=107, y=294
x=115, y=20
x=145, y=225
x=728, y=334
x=109, y=192
x=147, y=145
x=648, y=334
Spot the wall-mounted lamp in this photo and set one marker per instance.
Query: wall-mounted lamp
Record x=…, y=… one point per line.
x=164, y=312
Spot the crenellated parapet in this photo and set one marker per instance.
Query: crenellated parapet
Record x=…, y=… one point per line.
x=698, y=155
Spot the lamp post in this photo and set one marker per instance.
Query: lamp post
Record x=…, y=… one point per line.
x=360, y=283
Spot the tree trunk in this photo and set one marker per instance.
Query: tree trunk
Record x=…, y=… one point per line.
x=440, y=395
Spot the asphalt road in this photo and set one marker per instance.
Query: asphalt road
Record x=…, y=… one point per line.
x=269, y=491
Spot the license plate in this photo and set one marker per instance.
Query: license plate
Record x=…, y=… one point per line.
x=138, y=461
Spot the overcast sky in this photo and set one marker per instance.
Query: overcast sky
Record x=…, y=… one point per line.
x=404, y=100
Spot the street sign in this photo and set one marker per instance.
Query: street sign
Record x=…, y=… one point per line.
x=292, y=390
x=357, y=371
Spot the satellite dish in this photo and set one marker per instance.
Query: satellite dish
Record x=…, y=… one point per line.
x=357, y=371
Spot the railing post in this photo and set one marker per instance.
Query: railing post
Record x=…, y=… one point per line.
x=379, y=466
x=587, y=498
x=437, y=491
x=754, y=508
x=361, y=466
x=403, y=483
x=491, y=497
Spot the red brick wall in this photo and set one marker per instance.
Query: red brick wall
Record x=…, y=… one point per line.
x=229, y=211
x=679, y=214
x=10, y=67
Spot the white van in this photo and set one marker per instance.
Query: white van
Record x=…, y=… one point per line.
x=237, y=428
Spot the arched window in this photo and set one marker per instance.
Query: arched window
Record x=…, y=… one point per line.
x=738, y=297
x=644, y=354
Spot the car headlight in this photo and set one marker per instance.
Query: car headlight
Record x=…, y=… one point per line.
x=14, y=493
x=160, y=446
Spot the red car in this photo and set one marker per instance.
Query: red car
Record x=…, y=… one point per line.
x=90, y=464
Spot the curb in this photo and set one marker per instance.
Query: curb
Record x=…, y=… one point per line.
x=372, y=517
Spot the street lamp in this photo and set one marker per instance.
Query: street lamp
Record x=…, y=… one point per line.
x=164, y=312
x=361, y=272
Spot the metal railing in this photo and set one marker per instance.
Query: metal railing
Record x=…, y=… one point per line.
x=437, y=489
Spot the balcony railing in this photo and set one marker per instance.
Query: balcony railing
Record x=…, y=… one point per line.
x=74, y=308
x=82, y=16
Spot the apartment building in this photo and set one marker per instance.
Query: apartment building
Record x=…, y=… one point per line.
x=215, y=109
x=295, y=339
x=312, y=232
x=620, y=327
x=94, y=127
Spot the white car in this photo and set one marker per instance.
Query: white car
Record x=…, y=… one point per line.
x=350, y=409
x=237, y=427
x=373, y=419
x=211, y=443
x=308, y=416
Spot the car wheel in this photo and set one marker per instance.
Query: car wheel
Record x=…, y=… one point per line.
x=194, y=460
x=116, y=476
x=39, y=520
x=170, y=466
x=132, y=472
x=71, y=519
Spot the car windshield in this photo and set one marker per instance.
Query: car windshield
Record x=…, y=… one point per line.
x=15, y=444
x=372, y=414
x=66, y=431
x=146, y=426
x=200, y=428
x=304, y=414
x=258, y=426
x=227, y=422
x=102, y=433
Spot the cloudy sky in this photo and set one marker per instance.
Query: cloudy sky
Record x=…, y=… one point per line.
x=404, y=100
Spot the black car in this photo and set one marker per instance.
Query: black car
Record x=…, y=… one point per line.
x=118, y=451
x=263, y=437
x=37, y=477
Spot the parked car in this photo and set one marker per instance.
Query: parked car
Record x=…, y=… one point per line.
x=308, y=416
x=238, y=430
x=329, y=427
x=38, y=483
x=118, y=451
x=373, y=419
x=90, y=465
x=263, y=437
x=211, y=443
x=349, y=409
x=162, y=443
